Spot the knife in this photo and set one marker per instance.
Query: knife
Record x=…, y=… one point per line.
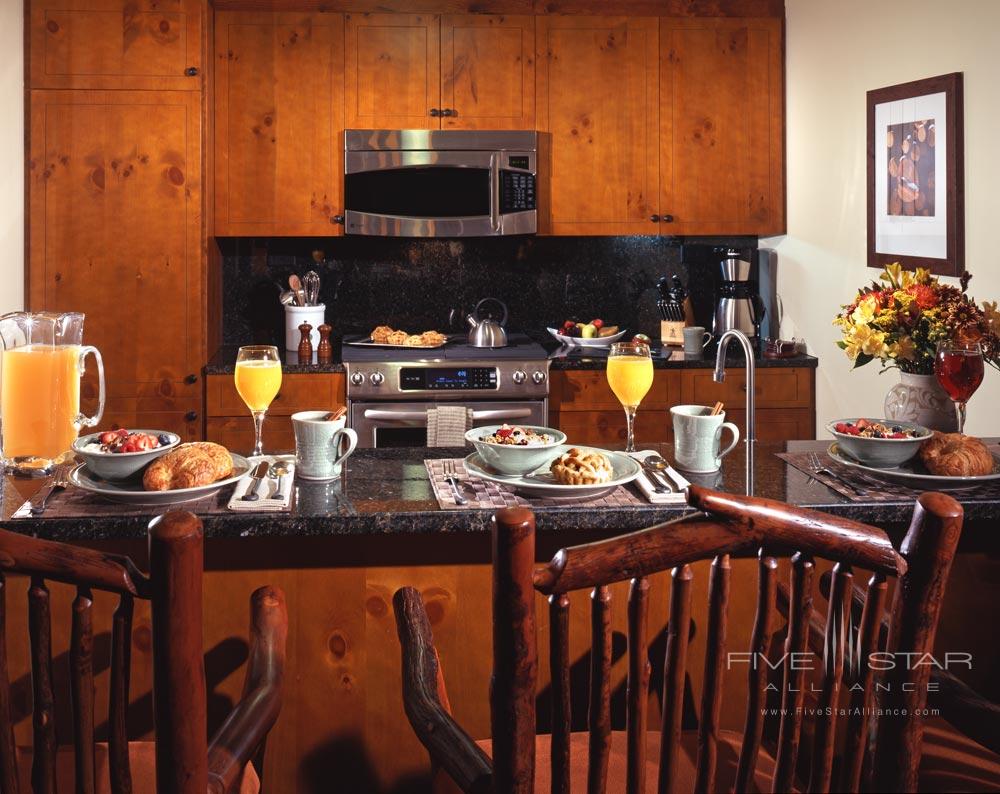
x=660, y=484
x=40, y=499
x=259, y=474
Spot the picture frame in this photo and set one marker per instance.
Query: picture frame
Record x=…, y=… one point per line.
x=916, y=201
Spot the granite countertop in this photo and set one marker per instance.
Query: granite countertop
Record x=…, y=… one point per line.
x=224, y=361
x=386, y=492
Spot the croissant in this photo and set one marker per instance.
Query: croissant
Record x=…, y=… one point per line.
x=956, y=455
x=188, y=466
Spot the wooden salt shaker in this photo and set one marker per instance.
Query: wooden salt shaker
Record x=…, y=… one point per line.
x=324, y=353
x=305, y=344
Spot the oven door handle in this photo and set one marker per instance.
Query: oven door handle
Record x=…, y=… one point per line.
x=416, y=416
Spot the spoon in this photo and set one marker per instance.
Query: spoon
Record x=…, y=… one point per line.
x=286, y=298
x=296, y=285
x=659, y=464
x=276, y=471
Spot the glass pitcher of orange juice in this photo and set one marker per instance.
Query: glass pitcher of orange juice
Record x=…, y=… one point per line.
x=41, y=364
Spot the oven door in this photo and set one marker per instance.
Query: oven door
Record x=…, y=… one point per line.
x=421, y=193
x=397, y=424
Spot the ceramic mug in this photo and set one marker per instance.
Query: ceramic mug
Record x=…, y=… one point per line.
x=698, y=438
x=319, y=445
x=696, y=338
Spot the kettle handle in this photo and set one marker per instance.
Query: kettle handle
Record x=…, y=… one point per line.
x=503, y=320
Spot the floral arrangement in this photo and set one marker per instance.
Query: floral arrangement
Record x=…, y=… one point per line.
x=900, y=319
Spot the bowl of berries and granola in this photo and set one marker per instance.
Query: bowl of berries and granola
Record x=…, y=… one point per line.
x=880, y=443
x=515, y=449
x=120, y=454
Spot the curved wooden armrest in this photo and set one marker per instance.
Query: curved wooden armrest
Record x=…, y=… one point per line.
x=248, y=723
x=447, y=744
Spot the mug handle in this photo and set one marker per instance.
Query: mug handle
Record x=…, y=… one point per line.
x=708, y=338
x=91, y=421
x=736, y=438
x=337, y=437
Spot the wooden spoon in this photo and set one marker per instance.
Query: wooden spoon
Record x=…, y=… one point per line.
x=295, y=283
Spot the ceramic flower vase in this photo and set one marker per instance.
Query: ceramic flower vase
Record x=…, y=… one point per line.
x=920, y=399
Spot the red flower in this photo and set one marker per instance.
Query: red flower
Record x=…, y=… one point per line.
x=924, y=295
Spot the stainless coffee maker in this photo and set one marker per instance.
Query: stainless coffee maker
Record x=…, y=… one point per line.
x=738, y=305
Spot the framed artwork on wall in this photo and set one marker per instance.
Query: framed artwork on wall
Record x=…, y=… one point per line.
x=916, y=208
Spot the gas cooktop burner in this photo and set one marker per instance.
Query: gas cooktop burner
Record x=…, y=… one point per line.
x=519, y=347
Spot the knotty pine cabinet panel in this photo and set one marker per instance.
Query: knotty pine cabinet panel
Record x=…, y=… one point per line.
x=393, y=67
x=279, y=116
x=114, y=225
x=777, y=387
x=488, y=72
x=121, y=44
x=587, y=390
x=302, y=392
x=721, y=126
x=597, y=98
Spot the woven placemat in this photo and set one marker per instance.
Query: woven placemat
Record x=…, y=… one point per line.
x=868, y=487
x=486, y=495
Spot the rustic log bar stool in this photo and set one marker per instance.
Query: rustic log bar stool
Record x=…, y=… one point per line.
x=879, y=754
x=185, y=761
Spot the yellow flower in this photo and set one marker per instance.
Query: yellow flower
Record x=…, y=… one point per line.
x=903, y=350
x=923, y=276
x=864, y=313
x=892, y=274
x=868, y=341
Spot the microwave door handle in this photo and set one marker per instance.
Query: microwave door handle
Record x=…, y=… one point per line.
x=495, y=192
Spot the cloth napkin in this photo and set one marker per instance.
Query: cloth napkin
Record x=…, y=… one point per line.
x=281, y=499
x=676, y=480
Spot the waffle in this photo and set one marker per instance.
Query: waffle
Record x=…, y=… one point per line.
x=579, y=467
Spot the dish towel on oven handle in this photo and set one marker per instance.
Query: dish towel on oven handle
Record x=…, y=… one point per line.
x=447, y=425
x=676, y=497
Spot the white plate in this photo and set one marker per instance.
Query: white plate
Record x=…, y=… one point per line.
x=131, y=492
x=914, y=475
x=578, y=341
x=541, y=482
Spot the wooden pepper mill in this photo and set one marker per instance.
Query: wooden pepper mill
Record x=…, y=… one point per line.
x=324, y=353
x=305, y=344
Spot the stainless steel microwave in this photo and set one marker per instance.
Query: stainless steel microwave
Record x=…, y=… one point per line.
x=440, y=183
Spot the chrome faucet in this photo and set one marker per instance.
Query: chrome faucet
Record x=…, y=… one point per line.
x=720, y=375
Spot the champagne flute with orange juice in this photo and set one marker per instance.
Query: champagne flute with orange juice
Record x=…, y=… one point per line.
x=630, y=376
x=258, y=378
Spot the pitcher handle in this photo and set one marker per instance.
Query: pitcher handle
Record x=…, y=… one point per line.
x=91, y=421
x=338, y=437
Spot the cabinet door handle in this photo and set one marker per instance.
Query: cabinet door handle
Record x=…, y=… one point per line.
x=435, y=112
x=190, y=416
x=448, y=112
x=337, y=219
x=667, y=218
x=191, y=71
x=654, y=218
x=190, y=379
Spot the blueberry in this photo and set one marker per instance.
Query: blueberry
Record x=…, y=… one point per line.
x=877, y=434
x=897, y=429
x=164, y=439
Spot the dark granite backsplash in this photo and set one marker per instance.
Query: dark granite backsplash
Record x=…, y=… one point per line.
x=413, y=284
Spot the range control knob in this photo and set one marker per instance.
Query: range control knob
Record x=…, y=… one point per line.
x=376, y=378
x=518, y=377
x=357, y=378
x=538, y=377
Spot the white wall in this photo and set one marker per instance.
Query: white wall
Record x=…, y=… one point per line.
x=835, y=53
x=11, y=156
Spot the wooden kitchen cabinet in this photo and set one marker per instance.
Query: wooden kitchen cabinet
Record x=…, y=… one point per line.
x=488, y=72
x=596, y=97
x=114, y=228
x=120, y=44
x=721, y=126
x=393, y=71
x=279, y=119
x=229, y=423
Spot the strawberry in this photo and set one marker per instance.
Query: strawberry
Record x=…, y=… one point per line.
x=504, y=432
x=108, y=437
x=141, y=442
x=122, y=432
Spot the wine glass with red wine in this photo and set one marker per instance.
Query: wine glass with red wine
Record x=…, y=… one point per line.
x=959, y=370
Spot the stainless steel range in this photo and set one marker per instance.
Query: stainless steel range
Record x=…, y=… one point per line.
x=390, y=389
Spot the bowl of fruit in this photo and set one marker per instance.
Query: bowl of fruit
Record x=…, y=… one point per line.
x=120, y=454
x=879, y=443
x=593, y=334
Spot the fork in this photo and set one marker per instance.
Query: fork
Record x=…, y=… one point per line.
x=452, y=480
x=819, y=468
x=59, y=482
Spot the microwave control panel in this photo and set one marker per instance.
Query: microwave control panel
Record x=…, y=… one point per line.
x=517, y=191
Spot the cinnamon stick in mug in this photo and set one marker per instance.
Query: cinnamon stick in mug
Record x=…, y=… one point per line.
x=333, y=416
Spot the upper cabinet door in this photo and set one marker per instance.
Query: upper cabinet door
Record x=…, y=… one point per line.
x=115, y=44
x=721, y=128
x=488, y=72
x=597, y=79
x=279, y=118
x=393, y=71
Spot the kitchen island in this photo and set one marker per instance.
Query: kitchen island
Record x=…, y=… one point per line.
x=344, y=549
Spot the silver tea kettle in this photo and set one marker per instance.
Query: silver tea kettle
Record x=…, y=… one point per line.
x=487, y=332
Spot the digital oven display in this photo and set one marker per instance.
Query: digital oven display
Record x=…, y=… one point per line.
x=447, y=378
